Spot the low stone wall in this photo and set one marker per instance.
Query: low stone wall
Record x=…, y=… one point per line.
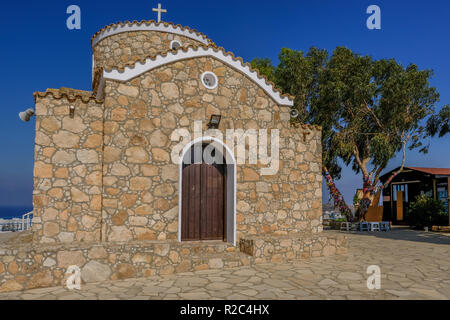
x=287, y=248
x=27, y=266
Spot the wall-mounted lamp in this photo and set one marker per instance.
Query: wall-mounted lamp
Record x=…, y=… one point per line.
x=25, y=116
x=214, y=121
x=72, y=111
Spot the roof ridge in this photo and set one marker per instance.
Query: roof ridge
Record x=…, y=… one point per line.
x=163, y=54
x=149, y=22
x=70, y=94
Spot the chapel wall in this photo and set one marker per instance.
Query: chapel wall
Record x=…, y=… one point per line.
x=67, y=196
x=25, y=267
x=289, y=202
x=122, y=49
x=141, y=182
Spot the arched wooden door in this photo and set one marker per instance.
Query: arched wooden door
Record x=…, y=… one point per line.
x=203, y=202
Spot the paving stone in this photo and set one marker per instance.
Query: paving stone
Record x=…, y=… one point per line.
x=410, y=269
x=327, y=282
x=218, y=286
x=350, y=276
x=250, y=292
x=430, y=293
x=400, y=293
x=194, y=296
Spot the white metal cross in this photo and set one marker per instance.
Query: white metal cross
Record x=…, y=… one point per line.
x=159, y=10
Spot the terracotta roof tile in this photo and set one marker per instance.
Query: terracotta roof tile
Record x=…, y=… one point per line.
x=68, y=93
x=436, y=171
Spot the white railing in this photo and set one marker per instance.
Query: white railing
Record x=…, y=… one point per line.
x=27, y=219
x=17, y=224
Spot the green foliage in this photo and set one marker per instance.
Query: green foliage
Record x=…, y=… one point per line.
x=426, y=212
x=264, y=67
x=368, y=109
x=336, y=224
x=439, y=123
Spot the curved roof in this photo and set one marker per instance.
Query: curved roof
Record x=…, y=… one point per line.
x=148, y=25
x=151, y=62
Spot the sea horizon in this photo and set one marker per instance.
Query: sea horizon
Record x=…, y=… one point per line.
x=9, y=212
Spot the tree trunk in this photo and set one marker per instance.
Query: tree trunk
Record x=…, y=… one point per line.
x=338, y=199
x=366, y=201
x=369, y=187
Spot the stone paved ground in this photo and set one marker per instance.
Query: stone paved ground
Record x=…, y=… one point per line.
x=414, y=265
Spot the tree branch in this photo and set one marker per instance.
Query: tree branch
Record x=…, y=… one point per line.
x=374, y=115
x=358, y=160
x=404, y=142
x=377, y=174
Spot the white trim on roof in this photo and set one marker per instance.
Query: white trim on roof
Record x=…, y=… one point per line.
x=152, y=26
x=139, y=68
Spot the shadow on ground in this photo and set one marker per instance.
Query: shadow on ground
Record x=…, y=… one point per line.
x=407, y=234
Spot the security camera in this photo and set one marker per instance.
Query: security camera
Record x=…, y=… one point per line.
x=294, y=113
x=25, y=116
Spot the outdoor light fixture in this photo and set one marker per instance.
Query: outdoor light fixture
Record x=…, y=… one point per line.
x=72, y=111
x=26, y=115
x=214, y=121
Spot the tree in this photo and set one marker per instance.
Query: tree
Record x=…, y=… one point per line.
x=265, y=67
x=369, y=110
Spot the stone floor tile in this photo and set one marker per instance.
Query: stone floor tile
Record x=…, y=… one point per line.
x=413, y=268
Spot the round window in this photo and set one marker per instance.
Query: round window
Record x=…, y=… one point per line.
x=175, y=44
x=209, y=80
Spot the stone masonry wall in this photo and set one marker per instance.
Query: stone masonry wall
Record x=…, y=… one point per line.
x=67, y=195
x=29, y=266
x=128, y=47
x=271, y=249
x=141, y=182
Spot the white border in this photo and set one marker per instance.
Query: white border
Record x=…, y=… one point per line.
x=203, y=80
x=152, y=26
x=180, y=182
x=172, y=42
x=149, y=64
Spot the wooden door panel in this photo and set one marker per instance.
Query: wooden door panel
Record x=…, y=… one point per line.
x=399, y=205
x=212, y=204
x=220, y=182
x=191, y=198
x=202, y=210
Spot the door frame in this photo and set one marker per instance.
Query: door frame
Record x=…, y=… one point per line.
x=230, y=188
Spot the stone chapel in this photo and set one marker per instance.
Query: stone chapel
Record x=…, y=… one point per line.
x=104, y=179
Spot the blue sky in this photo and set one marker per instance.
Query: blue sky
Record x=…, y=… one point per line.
x=39, y=52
